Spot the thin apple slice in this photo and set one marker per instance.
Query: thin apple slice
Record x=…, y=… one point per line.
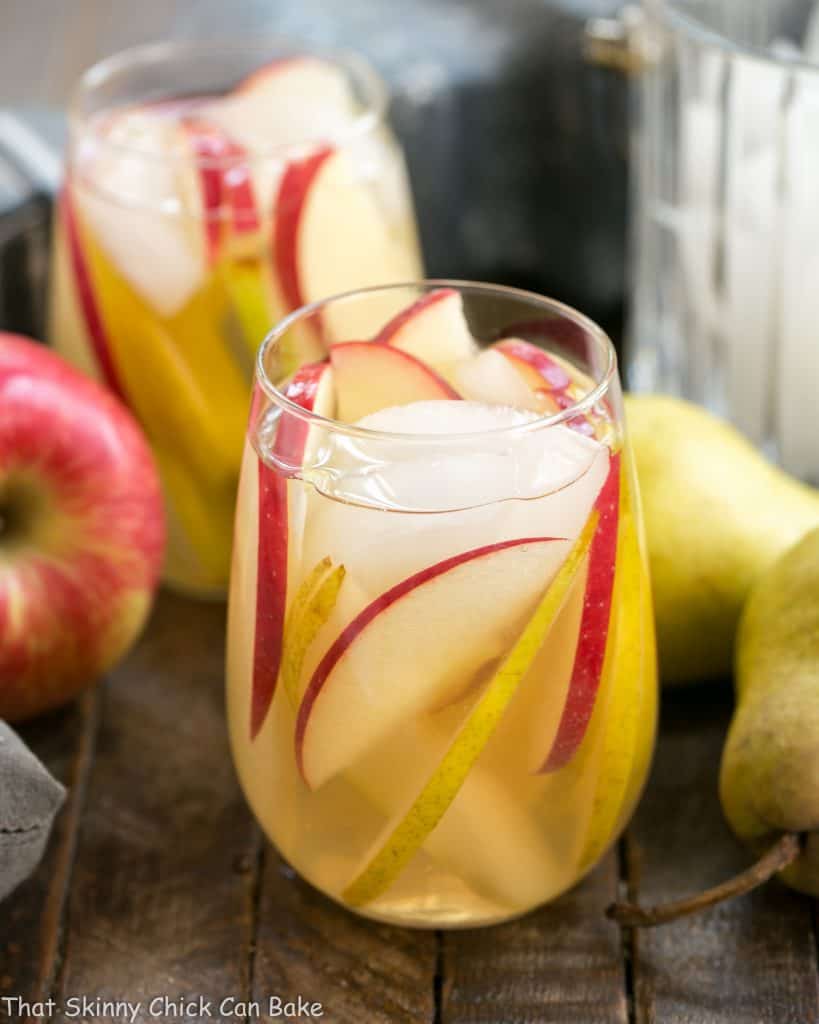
x=91, y=314
x=433, y=329
x=493, y=380
x=371, y=377
x=227, y=198
x=630, y=669
x=331, y=235
x=594, y=626
x=297, y=99
x=561, y=384
x=395, y=850
x=311, y=387
x=364, y=687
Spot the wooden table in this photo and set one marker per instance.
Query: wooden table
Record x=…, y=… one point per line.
x=158, y=884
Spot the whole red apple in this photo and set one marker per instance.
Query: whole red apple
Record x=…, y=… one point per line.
x=82, y=530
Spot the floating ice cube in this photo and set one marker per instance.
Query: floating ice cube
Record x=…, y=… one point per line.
x=128, y=190
x=387, y=508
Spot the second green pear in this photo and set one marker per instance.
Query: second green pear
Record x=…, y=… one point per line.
x=717, y=514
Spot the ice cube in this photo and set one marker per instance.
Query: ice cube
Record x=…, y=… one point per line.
x=128, y=193
x=387, y=508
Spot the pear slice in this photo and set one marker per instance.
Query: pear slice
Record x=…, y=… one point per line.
x=395, y=850
x=311, y=608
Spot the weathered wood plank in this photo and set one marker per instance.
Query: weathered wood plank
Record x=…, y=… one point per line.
x=161, y=896
x=32, y=917
x=563, y=963
x=750, y=961
x=359, y=971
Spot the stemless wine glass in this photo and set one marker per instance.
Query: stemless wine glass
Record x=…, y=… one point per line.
x=441, y=664
x=210, y=189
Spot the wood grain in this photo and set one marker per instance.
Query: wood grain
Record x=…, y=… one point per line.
x=32, y=917
x=561, y=964
x=360, y=971
x=750, y=961
x=164, y=875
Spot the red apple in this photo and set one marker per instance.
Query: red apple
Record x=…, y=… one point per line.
x=82, y=531
x=415, y=646
x=594, y=626
x=370, y=377
x=312, y=388
x=433, y=329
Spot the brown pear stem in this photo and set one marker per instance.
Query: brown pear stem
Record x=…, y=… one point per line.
x=780, y=856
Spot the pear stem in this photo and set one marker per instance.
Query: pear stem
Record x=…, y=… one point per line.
x=780, y=856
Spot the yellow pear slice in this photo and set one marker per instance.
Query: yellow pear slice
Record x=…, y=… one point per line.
x=396, y=850
x=311, y=608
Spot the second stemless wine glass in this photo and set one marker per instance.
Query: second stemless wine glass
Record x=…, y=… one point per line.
x=211, y=188
x=441, y=664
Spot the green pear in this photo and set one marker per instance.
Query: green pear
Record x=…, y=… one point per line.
x=717, y=514
x=769, y=781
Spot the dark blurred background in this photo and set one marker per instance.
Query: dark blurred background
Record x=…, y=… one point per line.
x=516, y=143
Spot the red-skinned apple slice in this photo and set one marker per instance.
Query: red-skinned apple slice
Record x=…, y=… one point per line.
x=594, y=626
x=493, y=380
x=360, y=691
x=433, y=329
x=289, y=100
x=225, y=183
x=547, y=373
x=332, y=236
x=91, y=314
x=370, y=377
x=312, y=389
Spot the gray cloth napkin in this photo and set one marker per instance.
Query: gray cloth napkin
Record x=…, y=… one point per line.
x=29, y=801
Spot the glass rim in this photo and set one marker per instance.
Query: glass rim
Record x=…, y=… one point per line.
x=368, y=119
x=582, y=405
x=674, y=17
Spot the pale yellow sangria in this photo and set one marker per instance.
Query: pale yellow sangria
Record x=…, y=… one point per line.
x=209, y=190
x=441, y=662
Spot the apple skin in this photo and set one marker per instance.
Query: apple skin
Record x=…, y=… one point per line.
x=391, y=331
x=370, y=377
x=224, y=181
x=85, y=293
x=293, y=191
x=338, y=648
x=594, y=625
x=306, y=389
x=82, y=530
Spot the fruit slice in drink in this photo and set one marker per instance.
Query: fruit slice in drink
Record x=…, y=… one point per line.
x=432, y=329
x=594, y=627
x=433, y=614
x=629, y=730
x=331, y=235
x=371, y=377
x=312, y=388
x=394, y=850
